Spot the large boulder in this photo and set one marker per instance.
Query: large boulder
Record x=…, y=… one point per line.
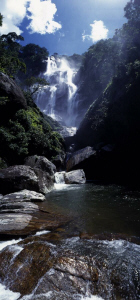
x=41, y=162
x=77, y=176
x=19, y=177
x=8, y=88
x=78, y=157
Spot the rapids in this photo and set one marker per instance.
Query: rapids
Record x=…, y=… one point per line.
x=95, y=256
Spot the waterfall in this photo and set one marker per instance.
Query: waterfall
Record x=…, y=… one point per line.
x=58, y=98
x=59, y=177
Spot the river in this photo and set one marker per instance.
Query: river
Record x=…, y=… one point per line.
x=104, y=229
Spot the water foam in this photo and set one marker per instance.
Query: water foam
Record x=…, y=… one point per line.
x=8, y=243
x=6, y=294
x=42, y=232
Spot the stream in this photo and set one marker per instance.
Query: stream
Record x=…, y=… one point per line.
x=97, y=256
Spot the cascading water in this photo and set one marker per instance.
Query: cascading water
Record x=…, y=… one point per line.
x=58, y=98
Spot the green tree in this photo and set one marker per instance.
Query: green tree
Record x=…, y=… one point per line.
x=35, y=58
x=34, y=84
x=9, y=54
x=132, y=10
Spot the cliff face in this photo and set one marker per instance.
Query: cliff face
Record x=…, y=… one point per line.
x=112, y=126
x=98, y=66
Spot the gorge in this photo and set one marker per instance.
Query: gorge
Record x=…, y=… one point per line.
x=69, y=169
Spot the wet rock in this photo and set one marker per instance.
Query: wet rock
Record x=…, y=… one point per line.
x=62, y=284
x=16, y=178
x=82, y=267
x=78, y=157
x=41, y=162
x=25, y=218
x=28, y=266
x=77, y=176
x=60, y=177
x=12, y=222
x=18, y=207
x=24, y=195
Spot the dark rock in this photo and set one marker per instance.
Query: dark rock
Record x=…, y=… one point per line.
x=41, y=162
x=78, y=157
x=59, y=161
x=77, y=176
x=35, y=260
x=21, y=177
x=32, y=262
x=9, y=88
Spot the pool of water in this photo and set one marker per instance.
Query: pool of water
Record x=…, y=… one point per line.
x=97, y=209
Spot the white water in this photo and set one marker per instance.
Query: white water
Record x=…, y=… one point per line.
x=8, y=243
x=42, y=232
x=59, y=177
x=49, y=295
x=57, y=99
x=6, y=294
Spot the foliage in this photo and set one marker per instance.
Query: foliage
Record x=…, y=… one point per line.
x=114, y=117
x=9, y=54
x=35, y=83
x=34, y=57
x=28, y=133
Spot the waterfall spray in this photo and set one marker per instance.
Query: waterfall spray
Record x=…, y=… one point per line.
x=58, y=98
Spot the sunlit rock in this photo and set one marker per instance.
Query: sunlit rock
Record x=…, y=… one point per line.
x=42, y=163
x=77, y=176
x=23, y=195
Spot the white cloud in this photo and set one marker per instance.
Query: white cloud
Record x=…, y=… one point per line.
x=42, y=17
x=98, y=32
x=40, y=14
x=14, y=12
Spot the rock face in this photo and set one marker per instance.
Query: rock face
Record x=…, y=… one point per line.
x=9, y=88
x=41, y=162
x=78, y=157
x=59, y=161
x=21, y=177
x=77, y=176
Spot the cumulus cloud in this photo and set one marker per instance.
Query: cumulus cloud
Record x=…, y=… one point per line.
x=42, y=17
x=39, y=13
x=14, y=11
x=98, y=32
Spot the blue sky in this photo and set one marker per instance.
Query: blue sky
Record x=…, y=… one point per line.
x=62, y=26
